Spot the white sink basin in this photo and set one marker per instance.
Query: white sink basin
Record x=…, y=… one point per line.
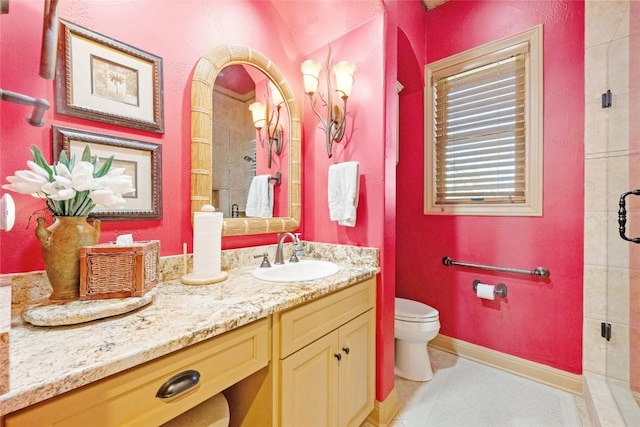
x=296, y=271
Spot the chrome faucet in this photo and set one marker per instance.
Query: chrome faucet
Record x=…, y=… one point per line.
x=279, y=255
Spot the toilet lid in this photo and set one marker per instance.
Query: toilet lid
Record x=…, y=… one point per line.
x=410, y=310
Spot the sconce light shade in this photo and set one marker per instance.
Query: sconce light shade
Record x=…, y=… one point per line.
x=276, y=96
x=311, y=75
x=344, y=72
x=333, y=123
x=259, y=114
x=266, y=115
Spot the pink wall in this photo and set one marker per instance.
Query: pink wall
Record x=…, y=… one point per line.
x=178, y=32
x=549, y=313
x=540, y=320
x=195, y=28
x=402, y=16
x=364, y=141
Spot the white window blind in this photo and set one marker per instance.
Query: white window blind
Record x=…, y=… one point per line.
x=480, y=132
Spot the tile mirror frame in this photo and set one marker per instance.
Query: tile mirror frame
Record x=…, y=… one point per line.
x=202, y=83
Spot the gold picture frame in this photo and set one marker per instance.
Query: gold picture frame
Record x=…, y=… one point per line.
x=101, y=79
x=141, y=160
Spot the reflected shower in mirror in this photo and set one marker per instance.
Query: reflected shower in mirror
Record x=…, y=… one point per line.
x=235, y=162
x=234, y=143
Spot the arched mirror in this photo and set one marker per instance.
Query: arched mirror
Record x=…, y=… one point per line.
x=205, y=147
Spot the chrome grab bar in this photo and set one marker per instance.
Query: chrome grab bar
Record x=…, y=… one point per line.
x=539, y=271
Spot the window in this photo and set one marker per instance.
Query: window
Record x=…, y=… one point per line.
x=483, y=133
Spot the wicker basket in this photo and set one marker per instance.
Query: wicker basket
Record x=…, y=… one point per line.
x=111, y=271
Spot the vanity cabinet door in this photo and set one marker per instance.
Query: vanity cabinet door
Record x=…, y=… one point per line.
x=309, y=382
x=357, y=369
x=331, y=382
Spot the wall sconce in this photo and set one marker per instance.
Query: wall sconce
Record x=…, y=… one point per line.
x=343, y=71
x=267, y=116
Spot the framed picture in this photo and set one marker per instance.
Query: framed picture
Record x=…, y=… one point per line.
x=141, y=160
x=101, y=79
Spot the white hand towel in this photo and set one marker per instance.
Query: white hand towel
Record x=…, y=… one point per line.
x=260, y=197
x=344, y=189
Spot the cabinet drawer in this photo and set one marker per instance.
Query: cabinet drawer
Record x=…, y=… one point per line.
x=304, y=324
x=129, y=398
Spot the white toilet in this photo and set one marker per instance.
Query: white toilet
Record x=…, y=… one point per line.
x=415, y=325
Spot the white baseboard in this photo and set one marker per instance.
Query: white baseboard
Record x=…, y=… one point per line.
x=534, y=371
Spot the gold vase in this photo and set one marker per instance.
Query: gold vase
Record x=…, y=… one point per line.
x=61, y=243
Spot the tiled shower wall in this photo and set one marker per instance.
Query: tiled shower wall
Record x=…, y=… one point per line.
x=612, y=155
x=233, y=139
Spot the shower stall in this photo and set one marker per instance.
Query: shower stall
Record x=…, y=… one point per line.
x=234, y=153
x=611, y=334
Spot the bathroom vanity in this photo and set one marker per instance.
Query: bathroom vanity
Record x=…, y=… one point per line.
x=327, y=359
x=282, y=352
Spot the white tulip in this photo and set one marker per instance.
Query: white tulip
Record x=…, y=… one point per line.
x=55, y=191
x=106, y=198
x=61, y=170
x=82, y=176
x=63, y=181
x=63, y=194
x=37, y=169
x=120, y=184
x=25, y=182
x=115, y=172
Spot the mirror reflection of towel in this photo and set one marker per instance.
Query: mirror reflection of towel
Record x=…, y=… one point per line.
x=260, y=197
x=344, y=186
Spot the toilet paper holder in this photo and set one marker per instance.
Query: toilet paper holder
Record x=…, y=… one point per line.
x=500, y=290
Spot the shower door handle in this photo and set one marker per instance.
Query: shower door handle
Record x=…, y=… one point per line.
x=622, y=216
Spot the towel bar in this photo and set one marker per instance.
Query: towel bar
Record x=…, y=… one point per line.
x=539, y=271
x=277, y=178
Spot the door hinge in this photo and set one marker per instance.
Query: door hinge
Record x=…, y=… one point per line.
x=605, y=330
x=606, y=99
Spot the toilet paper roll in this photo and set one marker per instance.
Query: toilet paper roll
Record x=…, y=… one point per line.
x=485, y=291
x=213, y=412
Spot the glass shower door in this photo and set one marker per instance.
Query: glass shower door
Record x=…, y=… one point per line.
x=623, y=176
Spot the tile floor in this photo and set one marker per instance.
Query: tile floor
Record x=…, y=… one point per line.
x=464, y=393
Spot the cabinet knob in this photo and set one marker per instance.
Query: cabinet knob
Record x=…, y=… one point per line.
x=178, y=384
x=338, y=356
x=346, y=350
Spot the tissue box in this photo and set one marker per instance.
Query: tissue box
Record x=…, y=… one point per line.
x=112, y=271
x=5, y=326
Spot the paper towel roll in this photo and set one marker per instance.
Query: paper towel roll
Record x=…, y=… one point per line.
x=207, y=235
x=485, y=291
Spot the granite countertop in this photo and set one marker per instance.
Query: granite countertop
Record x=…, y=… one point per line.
x=48, y=361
